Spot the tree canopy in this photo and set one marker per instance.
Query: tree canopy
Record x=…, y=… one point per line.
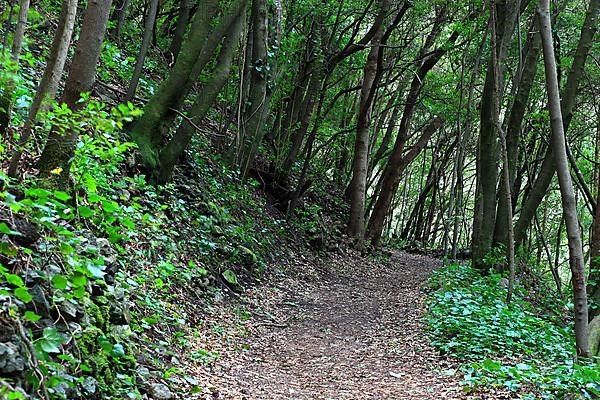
x=464, y=130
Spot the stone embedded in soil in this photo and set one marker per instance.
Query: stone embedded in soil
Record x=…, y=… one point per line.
x=89, y=385
x=11, y=359
x=159, y=391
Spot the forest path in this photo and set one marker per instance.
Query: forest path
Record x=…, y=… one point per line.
x=357, y=333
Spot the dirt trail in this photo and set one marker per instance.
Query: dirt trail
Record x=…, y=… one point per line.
x=357, y=334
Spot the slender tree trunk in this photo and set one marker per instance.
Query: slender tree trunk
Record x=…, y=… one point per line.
x=50, y=79
x=6, y=95
x=387, y=137
x=513, y=134
x=20, y=30
x=60, y=146
x=487, y=154
x=415, y=219
x=182, y=22
x=553, y=270
x=576, y=258
x=505, y=160
x=8, y=23
x=594, y=277
x=544, y=178
x=302, y=186
x=464, y=137
x=356, y=222
x=139, y=64
x=306, y=114
x=120, y=14
x=259, y=95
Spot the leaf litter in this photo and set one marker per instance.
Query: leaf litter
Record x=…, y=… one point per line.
x=346, y=328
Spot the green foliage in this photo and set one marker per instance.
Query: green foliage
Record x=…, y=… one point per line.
x=512, y=345
x=67, y=264
x=115, y=63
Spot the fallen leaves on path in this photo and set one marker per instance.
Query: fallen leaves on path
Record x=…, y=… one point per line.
x=354, y=330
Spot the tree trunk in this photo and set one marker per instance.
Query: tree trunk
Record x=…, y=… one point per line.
x=360, y=162
x=119, y=15
x=576, y=258
x=544, y=178
x=20, y=30
x=177, y=145
x=258, y=96
x=305, y=117
x=60, y=147
x=139, y=64
x=594, y=277
x=179, y=34
x=50, y=79
x=8, y=23
x=484, y=218
x=6, y=95
x=464, y=138
x=513, y=134
x=505, y=160
x=147, y=131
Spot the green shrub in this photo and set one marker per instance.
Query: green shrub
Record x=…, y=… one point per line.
x=512, y=345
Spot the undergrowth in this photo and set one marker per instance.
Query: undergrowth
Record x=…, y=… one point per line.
x=519, y=346
x=117, y=268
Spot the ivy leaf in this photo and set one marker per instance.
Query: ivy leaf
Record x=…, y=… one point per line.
x=5, y=229
x=51, y=340
x=85, y=212
x=109, y=206
x=15, y=396
x=118, y=350
x=78, y=280
x=23, y=294
x=230, y=277
x=14, y=280
x=59, y=282
x=62, y=196
x=96, y=270
x=105, y=344
x=31, y=316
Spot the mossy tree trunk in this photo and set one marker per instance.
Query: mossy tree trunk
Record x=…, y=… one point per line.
x=150, y=130
x=258, y=96
x=60, y=146
x=206, y=97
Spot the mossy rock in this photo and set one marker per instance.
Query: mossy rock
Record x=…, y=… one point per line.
x=103, y=365
x=95, y=358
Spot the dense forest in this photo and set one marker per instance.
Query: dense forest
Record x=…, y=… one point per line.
x=302, y=199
